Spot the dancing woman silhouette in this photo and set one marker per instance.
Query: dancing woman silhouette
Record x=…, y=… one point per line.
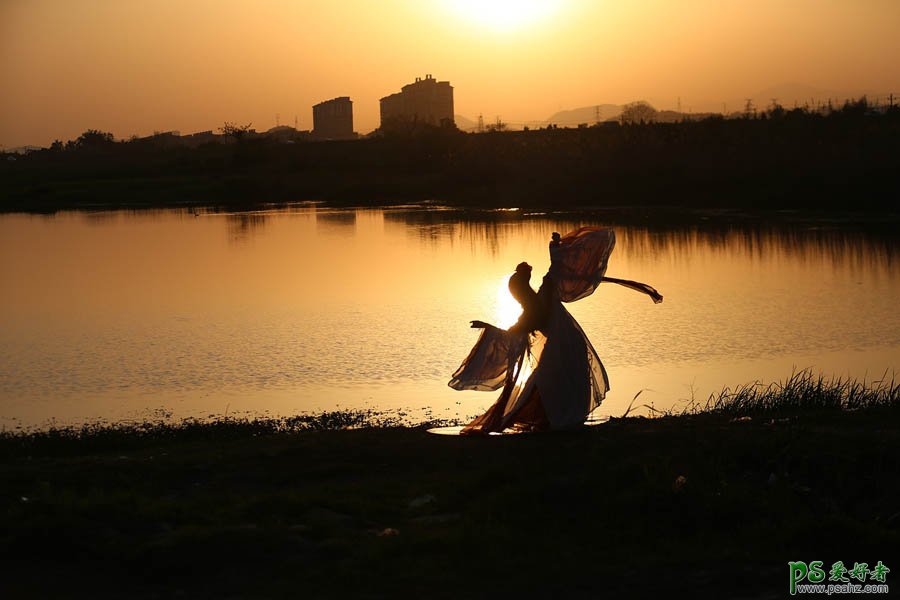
x=551, y=376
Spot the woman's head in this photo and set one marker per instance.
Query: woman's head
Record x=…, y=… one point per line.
x=519, y=285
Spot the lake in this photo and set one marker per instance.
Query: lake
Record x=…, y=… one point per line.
x=133, y=315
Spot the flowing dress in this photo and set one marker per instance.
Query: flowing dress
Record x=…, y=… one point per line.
x=551, y=375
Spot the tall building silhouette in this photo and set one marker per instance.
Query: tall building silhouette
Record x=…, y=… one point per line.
x=424, y=101
x=333, y=119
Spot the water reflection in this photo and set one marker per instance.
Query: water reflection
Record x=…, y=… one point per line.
x=331, y=221
x=243, y=226
x=102, y=316
x=101, y=218
x=859, y=243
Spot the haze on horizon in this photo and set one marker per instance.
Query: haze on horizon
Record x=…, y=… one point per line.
x=138, y=66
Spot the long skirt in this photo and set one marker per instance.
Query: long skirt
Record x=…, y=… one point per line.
x=551, y=379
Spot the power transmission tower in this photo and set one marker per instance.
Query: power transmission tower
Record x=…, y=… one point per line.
x=597, y=114
x=748, y=108
x=480, y=123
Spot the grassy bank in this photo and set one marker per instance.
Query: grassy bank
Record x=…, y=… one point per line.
x=332, y=506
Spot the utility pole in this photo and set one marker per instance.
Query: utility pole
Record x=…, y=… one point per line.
x=597, y=114
x=480, y=123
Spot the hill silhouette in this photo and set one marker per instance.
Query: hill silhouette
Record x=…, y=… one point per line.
x=585, y=114
x=464, y=123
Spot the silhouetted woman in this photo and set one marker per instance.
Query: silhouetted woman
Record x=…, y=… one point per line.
x=551, y=376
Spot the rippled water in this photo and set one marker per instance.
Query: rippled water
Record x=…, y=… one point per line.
x=129, y=315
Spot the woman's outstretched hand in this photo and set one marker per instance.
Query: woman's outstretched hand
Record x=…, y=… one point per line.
x=480, y=325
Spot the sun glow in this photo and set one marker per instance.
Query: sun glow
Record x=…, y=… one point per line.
x=506, y=309
x=503, y=15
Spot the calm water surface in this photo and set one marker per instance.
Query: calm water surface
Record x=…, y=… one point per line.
x=122, y=315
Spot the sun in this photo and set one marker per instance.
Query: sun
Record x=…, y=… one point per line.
x=503, y=15
x=506, y=309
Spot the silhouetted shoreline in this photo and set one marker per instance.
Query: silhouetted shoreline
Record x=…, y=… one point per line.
x=218, y=511
x=795, y=160
x=353, y=504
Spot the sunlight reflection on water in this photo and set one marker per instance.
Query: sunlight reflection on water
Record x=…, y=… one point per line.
x=115, y=315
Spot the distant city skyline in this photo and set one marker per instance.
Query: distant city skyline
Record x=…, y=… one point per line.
x=132, y=68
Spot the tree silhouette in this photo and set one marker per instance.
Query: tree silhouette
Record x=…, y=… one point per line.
x=94, y=138
x=638, y=112
x=234, y=130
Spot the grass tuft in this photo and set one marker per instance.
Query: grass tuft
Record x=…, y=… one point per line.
x=802, y=391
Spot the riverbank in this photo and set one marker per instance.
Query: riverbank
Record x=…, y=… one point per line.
x=694, y=503
x=846, y=160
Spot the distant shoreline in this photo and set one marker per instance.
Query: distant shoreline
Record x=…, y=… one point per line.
x=845, y=162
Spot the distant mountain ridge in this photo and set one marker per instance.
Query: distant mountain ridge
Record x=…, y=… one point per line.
x=563, y=118
x=585, y=114
x=464, y=123
x=787, y=94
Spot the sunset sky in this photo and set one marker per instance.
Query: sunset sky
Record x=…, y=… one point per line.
x=135, y=66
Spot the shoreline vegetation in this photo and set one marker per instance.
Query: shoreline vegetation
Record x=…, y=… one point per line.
x=843, y=159
x=361, y=505
x=801, y=391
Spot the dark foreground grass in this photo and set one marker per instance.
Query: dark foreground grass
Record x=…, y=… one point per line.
x=713, y=503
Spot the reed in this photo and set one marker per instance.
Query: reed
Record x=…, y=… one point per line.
x=802, y=391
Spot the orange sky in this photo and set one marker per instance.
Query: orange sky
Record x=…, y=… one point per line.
x=135, y=66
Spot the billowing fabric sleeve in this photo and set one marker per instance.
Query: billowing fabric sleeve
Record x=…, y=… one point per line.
x=485, y=368
x=638, y=287
x=578, y=262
